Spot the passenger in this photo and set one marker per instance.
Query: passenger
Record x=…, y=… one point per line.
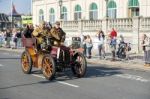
x=39, y=32
x=28, y=31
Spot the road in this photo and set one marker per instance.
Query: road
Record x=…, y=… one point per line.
x=99, y=83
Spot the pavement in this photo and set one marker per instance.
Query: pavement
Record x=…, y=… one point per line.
x=135, y=60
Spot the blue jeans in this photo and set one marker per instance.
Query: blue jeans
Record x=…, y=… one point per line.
x=19, y=42
x=101, y=50
x=147, y=56
x=88, y=50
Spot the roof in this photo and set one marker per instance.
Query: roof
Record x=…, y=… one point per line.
x=3, y=17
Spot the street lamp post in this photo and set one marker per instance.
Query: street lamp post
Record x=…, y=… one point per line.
x=60, y=5
x=106, y=8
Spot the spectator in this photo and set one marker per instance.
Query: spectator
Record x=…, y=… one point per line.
x=121, y=39
x=89, y=46
x=8, y=38
x=113, y=43
x=146, y=49
x=14, y=37
x=18, y=35
x=101, y=48
x=113, y=33
x=84, y=45
x=1, y=39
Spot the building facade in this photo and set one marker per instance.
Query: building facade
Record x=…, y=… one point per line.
x=86, y=17
x=69, y=10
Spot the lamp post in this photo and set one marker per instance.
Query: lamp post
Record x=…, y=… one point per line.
x=60, y=5
x=106, y=8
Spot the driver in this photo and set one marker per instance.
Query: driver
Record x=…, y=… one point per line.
x=57, y=34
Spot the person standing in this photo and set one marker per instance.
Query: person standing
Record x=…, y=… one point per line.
x=146, y=49
x=113, y=33
x=113, y=43
x=101, y=48
x=1, y=39
x=89, y=46
x=18, y=35
x=14, y=37
x=84, y=45
x=8, y=38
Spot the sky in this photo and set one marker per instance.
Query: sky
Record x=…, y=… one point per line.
x=22, y=6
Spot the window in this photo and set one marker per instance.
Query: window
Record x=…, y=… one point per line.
x=52, y=15
x=133, y=8
x=64, y=14
x=93, y=15
x=112, y=9
x=41, y=15
x=77, y=14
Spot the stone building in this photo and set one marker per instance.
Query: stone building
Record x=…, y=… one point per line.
x=49, y=10
x=81, y=17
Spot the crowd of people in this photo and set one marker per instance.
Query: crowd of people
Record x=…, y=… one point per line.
x=11, y=35
x=101, y=41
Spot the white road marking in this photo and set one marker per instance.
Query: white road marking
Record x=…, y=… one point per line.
x=132, y=77
x=1, y=65
x=126, y=76
x=61, y=82
x=38, y=76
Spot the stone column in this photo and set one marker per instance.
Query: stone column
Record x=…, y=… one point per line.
x=105, y=25
x=80, y=28
x=136, y=35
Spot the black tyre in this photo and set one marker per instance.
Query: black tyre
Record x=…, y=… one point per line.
x=48, y=67
x=80, y=65
x=26, y=62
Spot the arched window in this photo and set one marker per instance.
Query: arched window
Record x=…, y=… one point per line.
x=133, y=8
x=64, y=13
x=52, y=15
x=77, y=13
x=93, y=15
x=41, y=15
x=112, y=9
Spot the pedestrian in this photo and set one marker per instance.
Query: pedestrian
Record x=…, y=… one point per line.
x=89, y=46
x=113, y=43
x=14, y=38
x=1, y=39
x=84, y=45
x=146, y=49
x=8, y=38
x=113, y=33
x=18, y=35
x=101, y=48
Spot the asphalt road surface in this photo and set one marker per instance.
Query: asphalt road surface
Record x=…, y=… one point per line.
x=100, y=82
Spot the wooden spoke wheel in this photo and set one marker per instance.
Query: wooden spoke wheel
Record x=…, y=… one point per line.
x=80, y=65
x=48, y=67
x=26, y=62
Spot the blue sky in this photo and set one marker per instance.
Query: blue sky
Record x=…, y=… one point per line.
x=22, y=6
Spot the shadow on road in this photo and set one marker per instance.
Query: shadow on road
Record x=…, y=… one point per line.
x=92, y=72
x=102, y=71
x=19, y=85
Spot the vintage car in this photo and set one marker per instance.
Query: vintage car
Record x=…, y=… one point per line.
x=51, y=59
